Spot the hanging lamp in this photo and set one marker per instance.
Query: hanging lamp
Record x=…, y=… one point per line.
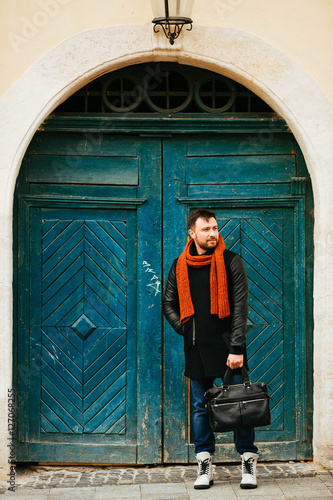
x=172, y=15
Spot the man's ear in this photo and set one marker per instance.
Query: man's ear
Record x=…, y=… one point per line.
x=191, y=233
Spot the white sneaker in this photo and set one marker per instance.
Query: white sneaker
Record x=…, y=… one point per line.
x=205, y=474
x=249, y=469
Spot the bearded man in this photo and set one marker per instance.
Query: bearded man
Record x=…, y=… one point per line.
x=206, y=301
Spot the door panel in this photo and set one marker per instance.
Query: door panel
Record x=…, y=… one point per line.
x=83, y=335
x=84, y=326
x=239, y=169
x=83, y=354
x=260, y=220
x=264, y=239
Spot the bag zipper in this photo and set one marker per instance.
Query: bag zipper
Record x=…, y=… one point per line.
x=243, y=384
x=241, y=401
x=255, y=397
x=193, y=339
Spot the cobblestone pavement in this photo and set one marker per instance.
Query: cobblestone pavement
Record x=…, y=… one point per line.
x=48, y=477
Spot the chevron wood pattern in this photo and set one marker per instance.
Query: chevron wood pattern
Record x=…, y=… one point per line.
x=84, y=301
x=259, y=242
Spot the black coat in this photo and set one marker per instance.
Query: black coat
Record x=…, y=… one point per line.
x=208, y=340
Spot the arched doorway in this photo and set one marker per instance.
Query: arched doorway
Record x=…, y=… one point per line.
x=100, y=189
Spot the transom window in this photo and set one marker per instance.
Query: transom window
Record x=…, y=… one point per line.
x=163, y=88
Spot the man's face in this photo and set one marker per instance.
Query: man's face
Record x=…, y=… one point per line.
x=205, y=234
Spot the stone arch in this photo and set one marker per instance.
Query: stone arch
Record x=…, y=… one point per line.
x=235, y=53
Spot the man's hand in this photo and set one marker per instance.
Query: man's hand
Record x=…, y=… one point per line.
x=235, y=361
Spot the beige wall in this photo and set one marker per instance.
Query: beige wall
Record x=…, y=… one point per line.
x=282, y=82
x=301, y=29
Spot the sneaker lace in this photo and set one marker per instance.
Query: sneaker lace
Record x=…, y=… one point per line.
x=248, y=466
x=203, y=466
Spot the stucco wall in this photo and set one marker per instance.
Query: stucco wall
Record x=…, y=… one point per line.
x=287, y=66
x=301, y=29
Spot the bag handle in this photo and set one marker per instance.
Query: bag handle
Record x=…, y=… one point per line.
x=226, y=378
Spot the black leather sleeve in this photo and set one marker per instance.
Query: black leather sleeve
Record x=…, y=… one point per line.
x=239, y=305
x=171, y=301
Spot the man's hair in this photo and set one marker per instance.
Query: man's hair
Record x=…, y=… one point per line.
x=202, y=213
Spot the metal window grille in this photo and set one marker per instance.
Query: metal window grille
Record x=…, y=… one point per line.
x=163, y=88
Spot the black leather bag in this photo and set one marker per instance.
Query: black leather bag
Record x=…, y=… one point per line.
x=240, y=406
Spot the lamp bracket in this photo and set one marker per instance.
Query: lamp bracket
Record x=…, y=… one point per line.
x=172, y=26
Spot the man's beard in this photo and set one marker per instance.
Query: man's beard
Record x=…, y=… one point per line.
x=205, y=246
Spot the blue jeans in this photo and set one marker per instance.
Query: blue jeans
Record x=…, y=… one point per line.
x=204, y=439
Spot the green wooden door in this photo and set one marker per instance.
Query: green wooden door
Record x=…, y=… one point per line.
x=99, y=220
x=261, y=201
x=87, y=214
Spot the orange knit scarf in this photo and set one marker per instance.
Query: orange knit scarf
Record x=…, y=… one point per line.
x=219, y=302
